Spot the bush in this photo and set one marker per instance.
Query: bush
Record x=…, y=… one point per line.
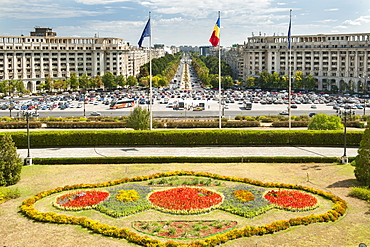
x=139, y=119
x=360, y=193
x=362, y=164
x=8, y=193
x=325, y=122
x=293, y=124
x=10, y=162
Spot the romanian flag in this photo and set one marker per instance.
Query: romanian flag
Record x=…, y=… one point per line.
x=215, y=38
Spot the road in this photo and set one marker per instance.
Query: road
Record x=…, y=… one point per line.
x=161, y=111
x=188, y=151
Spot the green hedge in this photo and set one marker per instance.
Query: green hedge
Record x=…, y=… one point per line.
x=293, y=123
x=75, y=125
x=171, y=159
x=186, y=138
x=19, y=125
x=210, y=124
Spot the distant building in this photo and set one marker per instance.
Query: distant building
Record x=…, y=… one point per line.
x=204, y=50
x=32, y=58
x=43, y=32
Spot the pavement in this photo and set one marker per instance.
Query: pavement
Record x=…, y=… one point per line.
x=188, y=151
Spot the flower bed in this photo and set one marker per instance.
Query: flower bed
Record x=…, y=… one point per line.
x=232, y=202
x=115, y=207
x=292, y=200
x=185, y=200
x=80, y=200
x=251, y=208
x=183, y=229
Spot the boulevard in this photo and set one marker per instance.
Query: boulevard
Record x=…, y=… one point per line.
x=163, y=111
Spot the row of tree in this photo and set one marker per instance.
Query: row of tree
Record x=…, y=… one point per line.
x=163, y=70
x=8, y=87
x=207, y=69
x=275, y=81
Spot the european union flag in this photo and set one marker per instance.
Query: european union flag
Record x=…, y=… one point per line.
x=290, y=25
x=146, y=33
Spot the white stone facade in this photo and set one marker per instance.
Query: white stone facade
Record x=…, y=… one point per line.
x=32, y=58
x=342, y=60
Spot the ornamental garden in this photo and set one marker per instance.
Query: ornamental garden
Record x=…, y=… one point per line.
x=183, y=208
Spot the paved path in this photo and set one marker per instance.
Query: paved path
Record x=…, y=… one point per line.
x=188, y=151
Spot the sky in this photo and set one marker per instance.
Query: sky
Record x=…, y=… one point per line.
x=184, y=22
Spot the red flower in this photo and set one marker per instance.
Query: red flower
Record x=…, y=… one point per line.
x=291, y=199
x=81, y=199
x=185, y=198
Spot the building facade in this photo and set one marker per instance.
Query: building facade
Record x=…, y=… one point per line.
x=33, y=58
x=335, y=60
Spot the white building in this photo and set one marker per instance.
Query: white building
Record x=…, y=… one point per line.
x=32, y=58
x=341, y=60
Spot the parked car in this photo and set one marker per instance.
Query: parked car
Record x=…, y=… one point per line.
x=95, y=114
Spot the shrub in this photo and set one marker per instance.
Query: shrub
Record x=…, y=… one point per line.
x=362, y=164
x=139, y=119
x=360, y=193
x=10, y=162
x=325, y=122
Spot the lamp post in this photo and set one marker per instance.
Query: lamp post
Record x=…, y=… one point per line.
x=28, y=159
x=364, y=90
x=344, y=114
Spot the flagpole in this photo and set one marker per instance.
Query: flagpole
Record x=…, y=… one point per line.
x=150, y=77
x=219, y=77
x=290, y=72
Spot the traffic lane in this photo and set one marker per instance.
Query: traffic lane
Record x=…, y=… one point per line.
x=188, y=152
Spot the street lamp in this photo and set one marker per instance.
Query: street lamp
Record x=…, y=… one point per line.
x=364, y=90
x=28, y=159
x=344, y=114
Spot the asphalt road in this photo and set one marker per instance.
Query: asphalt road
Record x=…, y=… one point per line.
x=161, y=111
x=188, y=151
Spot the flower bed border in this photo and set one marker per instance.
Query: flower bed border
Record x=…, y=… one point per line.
x=28, y=209
x=231, y=228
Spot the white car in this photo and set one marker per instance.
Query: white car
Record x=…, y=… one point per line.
x=95, y=114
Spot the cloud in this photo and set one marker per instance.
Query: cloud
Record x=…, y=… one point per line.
x=103, y=2
x=358, y=22
x=327, y=21
x=43, y=10
x=332, y=9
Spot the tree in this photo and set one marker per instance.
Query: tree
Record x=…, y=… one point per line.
x=84, y=81
x=120, y=81
x=131, y=81
x=362, y=163
x=250, y=81
x=73, y=81
x=325, y=122
x=139, y=119
x=48, y=83
x=10, y=162
x=109, y=80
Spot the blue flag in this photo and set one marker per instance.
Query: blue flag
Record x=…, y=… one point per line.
x=146, y=33
x=290, y=25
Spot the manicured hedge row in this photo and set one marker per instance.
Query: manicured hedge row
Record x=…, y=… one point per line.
x=293, y=123
x=171, y=159
x=75, y=125
x=211, y=124
x=19, y=125
x=185, y=138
